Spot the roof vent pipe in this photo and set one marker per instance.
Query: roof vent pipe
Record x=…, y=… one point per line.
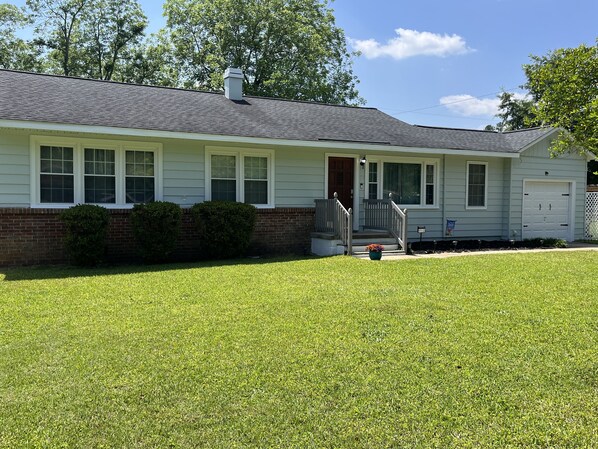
x=233, y=84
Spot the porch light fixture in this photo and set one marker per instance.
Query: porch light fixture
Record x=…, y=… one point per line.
x=362, y=161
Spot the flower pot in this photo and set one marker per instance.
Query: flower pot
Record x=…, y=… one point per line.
x=375, y=255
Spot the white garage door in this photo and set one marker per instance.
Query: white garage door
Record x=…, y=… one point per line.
x=546, y=207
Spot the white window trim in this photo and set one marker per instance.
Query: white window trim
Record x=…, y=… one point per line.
x=408, y=160
x=240, y=154
x=485, y=206
x=78, y=145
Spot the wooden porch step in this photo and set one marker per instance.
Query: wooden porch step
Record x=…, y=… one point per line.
x=357, y=235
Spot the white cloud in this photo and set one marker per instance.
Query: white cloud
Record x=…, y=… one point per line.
x=468, y=105
x=410, y=43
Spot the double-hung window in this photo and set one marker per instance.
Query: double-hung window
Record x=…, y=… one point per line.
x=100, y=176
x=140, y=182
x=244, y=176
x=224, y=177
x=68, y=171
x=477, y=185
x=56, y=174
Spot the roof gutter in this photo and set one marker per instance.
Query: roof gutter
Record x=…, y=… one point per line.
x=133, y=132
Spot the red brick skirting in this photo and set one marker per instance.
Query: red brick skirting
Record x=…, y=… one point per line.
x=35, y=236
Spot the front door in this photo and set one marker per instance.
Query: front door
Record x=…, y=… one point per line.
x=340, y=179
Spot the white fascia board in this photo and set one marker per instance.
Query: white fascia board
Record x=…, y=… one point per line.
x=539, y=139
x=589, y=155
x=132, y=132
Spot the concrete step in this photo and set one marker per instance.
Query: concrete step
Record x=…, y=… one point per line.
x=366, y=254
x=387, y=247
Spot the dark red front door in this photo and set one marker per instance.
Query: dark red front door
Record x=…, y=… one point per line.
x=340, y=179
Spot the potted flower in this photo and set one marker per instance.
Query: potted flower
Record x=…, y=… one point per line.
x=375, y=250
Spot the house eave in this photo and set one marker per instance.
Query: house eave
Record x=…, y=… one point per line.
x=134, y=132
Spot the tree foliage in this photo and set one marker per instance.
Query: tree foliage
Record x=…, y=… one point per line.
x=110, y=27
x=15, y=52
x=564, y=87
x=515, y=113
x=85, y=37
x=151, y=61
x=286, y=48
x=58, y=30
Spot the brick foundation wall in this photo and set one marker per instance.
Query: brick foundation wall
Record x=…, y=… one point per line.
x=283, y=231
x=35, y=236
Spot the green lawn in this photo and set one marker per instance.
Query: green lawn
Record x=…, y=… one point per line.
x=490, y=351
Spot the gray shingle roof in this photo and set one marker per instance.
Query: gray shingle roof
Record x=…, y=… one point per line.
x=58, y=99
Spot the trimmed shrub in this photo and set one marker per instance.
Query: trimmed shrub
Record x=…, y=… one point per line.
x=156, y=227
x=225, y=228
x=86, y=228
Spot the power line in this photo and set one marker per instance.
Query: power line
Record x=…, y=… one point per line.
x=477, y=97
x=477, y=118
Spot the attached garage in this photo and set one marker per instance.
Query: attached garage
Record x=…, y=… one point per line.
x=547, y=209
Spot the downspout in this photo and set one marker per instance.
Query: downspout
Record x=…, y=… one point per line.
x=443, y=196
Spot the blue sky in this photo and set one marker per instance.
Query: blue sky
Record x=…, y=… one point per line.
x=422, y=59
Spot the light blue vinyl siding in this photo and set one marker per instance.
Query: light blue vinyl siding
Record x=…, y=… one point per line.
x=183, y=171
x=473, y=223
x=299, y=174
x=14, y=169
x=533, y=165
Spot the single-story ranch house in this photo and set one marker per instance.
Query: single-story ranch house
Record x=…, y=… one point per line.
x=65, y=141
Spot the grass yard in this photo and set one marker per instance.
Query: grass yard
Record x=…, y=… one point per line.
x=493, y=351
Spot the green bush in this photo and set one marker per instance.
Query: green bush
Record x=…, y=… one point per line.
x=86, y=228
x=225, y=228
x=156, y=227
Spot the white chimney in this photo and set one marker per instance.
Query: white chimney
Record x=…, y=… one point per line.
x=233, y=84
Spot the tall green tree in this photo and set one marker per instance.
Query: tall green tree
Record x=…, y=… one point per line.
x=286, y=48
x=58, y=28
x=15, y=53
x=564, y=87
x=88, y=37
x=109, y=29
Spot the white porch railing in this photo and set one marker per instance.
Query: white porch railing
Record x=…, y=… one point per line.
x=591, y=228
x=332, y=217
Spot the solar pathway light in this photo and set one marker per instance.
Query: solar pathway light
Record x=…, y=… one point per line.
x=421, y=230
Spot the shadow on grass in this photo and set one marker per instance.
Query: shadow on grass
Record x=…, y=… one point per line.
x=68, y=271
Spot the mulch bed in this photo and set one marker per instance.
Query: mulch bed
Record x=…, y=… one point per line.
x=460, y=246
